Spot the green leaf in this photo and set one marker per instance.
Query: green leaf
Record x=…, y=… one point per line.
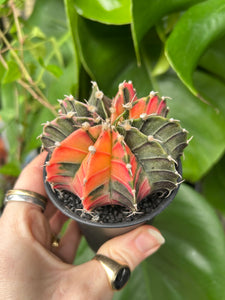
x=9, y=104
x=191, y=264
x=52, y=25
x=105, y=11
x=5, y=10
x=213, y=60
x=55, y=70
x=2, y=71
x=66, y=85
x=10, y=169
x=59, y=57
x=84, y=253
x=72, y=25
x=2, y=1
x=36, y=32
x=8, y=114
x=110, y=58
x=213, y=90
x=34, y=129
x=161, y=67
x=146, y=14
x=213, y=186
x=196, y=29
x=13, y=73
x=109, y=50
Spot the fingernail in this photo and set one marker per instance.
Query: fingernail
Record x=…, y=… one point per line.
x=149, y=240
x=157, y=235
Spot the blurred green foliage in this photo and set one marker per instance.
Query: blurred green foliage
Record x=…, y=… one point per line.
x=176, y=47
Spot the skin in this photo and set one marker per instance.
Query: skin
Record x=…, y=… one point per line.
x=32, y=269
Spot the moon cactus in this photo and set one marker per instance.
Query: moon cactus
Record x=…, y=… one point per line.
x=114, y=152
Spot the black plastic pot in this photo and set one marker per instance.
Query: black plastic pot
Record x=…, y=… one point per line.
x=97, y=233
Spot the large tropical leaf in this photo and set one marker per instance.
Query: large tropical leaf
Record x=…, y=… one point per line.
x=106, y=11
x=118, y=50
x=72, y=23
x=191, y=264
x=196, y=29
x=146, y=14
x=213, y=185
x=213, y=60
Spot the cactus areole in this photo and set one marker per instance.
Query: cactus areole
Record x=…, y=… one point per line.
x=114, y=152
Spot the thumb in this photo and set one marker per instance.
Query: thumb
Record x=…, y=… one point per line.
x=128, y=249
x=133, y=247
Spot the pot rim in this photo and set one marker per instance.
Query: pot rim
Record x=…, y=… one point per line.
x=146, y=217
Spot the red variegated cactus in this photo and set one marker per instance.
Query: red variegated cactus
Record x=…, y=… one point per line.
x=114, y=152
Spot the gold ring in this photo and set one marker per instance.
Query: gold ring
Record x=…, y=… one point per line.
x=55, y=241
x=117, y=274
x=26, y=196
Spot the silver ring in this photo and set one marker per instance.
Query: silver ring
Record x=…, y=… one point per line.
x=26, y=196
x=117, y=274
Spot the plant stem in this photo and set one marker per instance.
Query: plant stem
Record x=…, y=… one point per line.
x=27, y=87
x=35, y=92
x=17, y=23
x=4, y=63
x=19, y=62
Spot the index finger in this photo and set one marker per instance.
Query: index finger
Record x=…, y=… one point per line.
x=31, y=178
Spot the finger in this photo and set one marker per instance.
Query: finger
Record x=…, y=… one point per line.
x=25, y=217
x=130, y=249
x=57, y=221
x=31, y=178
x=27, y=222
x=69, y=243
x=133, y=247
x=50, y=210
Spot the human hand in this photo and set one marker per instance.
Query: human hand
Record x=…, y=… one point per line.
x=32, y=269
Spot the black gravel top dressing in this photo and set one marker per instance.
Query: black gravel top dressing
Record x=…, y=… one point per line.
x=108, y=213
